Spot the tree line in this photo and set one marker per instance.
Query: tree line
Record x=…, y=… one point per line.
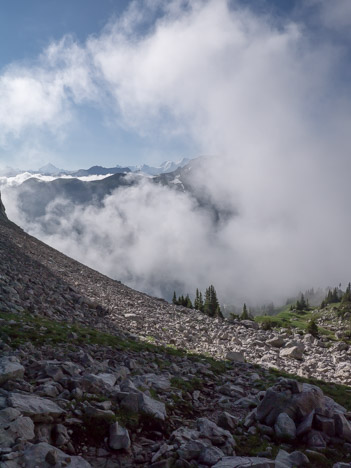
x=208, y=303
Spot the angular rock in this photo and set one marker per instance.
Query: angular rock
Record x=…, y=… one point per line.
x=295, y=352
x=235, y=356
x=315, y=440
x=291, y=460
x=37, y=408
x=35, y=456
x=342, y=427
x=209, y=456
x=276, y=342
x=324, y=424
x=245, y=462
x=227, y=421
x=10, y=369
x=285, y=428
x=306, y=425
x=119, y=437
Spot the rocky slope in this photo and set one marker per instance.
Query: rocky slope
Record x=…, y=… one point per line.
x=79, y=389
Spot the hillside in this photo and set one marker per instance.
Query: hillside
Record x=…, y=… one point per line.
x=93, y=373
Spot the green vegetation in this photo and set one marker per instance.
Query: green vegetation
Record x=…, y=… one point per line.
x=187, y=385
x=22, y=328
x=210, y=306
x=300, y=320
x=183, y=301
x=312, y=327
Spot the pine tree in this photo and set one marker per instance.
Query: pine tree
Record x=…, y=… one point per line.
x=197, y=302
x=201, y=302
x=174, y=300
x=219, y=313
x=312, y=327
x=207, y=303
x=347, y=295
x=245, y=314
x=211, y=302
x=188, y=302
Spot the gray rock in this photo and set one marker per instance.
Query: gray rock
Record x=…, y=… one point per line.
x=235, y=356
x=119, y=437
x=191, y=450
x=227, y=421
x=249, y=324
x=13, y=425
x=306, y=425
x=209, y=456
x=285, y=428
x=295, y=352
x=209, y=430
x=37, y=408
x=245, y=462
x=291, y=460
x=325, y=424
x=276, y=342
x=35, y=456
x=108, y=379
x=342, y=427
x=316, y=440
x=279, y=399
x=152, y=407
x=10, y=369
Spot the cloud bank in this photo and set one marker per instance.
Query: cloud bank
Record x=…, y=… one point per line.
x=260, y=94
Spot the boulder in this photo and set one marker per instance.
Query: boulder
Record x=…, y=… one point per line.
x=280, y=399
x=291, y=460
x=119, y=437
x=37, y=408
x=295, y=352
x=285, y=428
x=235, y=356
x=342, y=427
x=209, y=456
x=249, y=324
x=245, y=462
x=154, y=408
x=35, y=456
x=10, y=368
x=276, y=342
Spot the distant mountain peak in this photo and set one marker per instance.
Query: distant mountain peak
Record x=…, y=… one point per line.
x=50, y=169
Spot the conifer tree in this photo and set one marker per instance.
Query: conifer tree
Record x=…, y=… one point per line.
x=312, y=327
x=174, y=300
x=188, y=302
x=245, y=314
x=347, y=295
x=211, y=302
x=201, y=302
x=197, y=304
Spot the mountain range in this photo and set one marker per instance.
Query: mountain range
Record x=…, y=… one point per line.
x=51, y=170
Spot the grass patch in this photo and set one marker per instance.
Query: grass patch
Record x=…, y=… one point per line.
x=187, y=385
x=25, y=327
x=298, y=320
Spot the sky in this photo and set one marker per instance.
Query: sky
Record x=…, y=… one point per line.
x=263, y=88
x=61, y=103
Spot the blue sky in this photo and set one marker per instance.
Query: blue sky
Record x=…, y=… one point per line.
x=98, y=115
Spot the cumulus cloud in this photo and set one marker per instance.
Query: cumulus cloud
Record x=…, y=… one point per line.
x=261, y=96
